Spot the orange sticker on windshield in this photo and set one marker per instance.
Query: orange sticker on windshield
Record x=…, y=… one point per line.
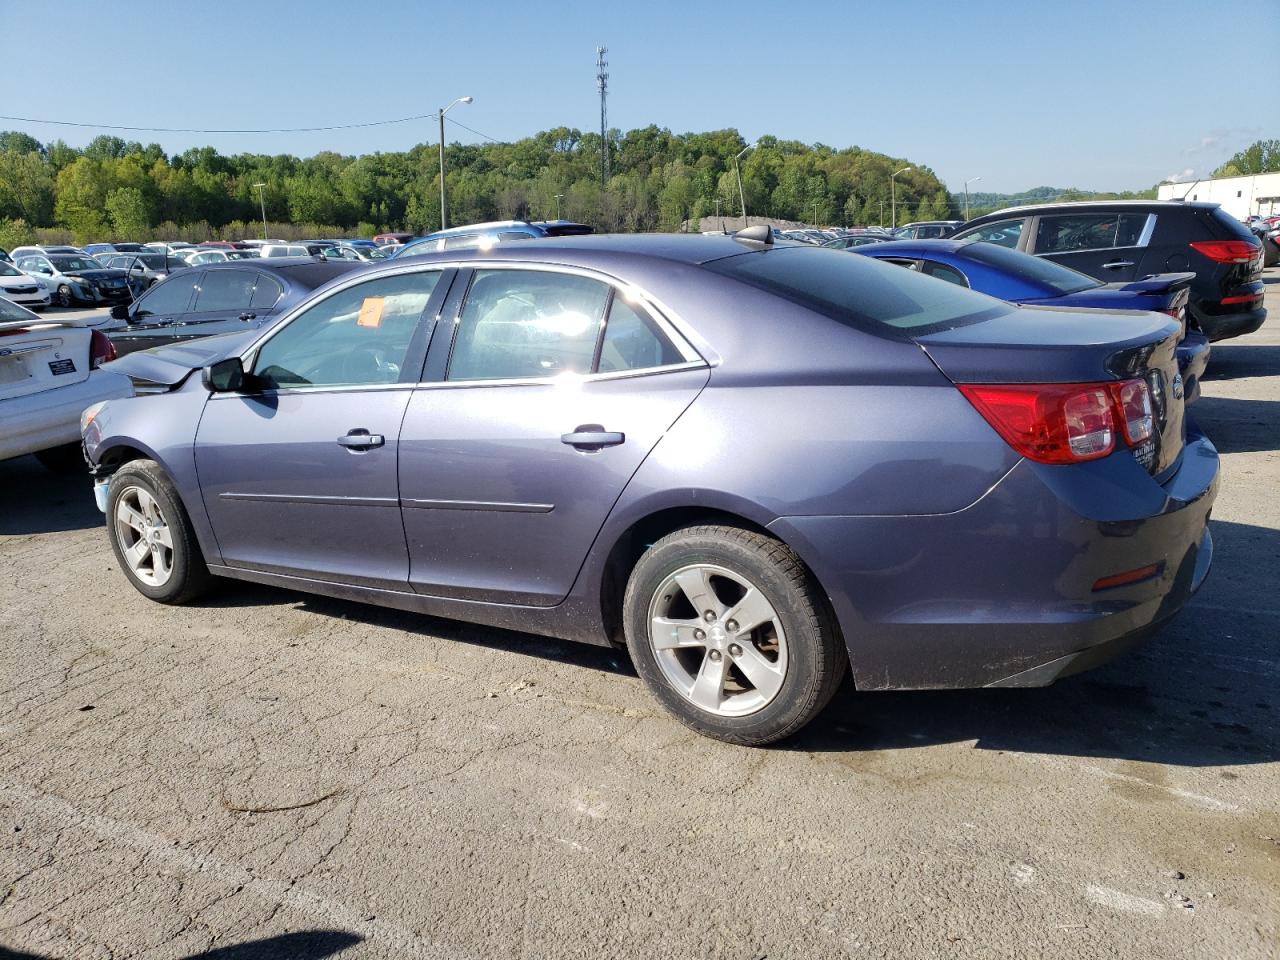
x=371, y=312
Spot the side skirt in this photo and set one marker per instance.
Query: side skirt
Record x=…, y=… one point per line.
x=570, y=620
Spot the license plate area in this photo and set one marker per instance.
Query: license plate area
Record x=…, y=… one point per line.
x=13, y=369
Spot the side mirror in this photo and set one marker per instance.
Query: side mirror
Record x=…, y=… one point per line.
x=225, y=376
x=120, y=312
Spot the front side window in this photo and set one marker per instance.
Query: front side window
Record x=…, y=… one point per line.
x=167, y=297
x=521, y=324
x=358, y=336
x=1003, y=232
x=225, y=290
x=1088, y=231
x=943, y=271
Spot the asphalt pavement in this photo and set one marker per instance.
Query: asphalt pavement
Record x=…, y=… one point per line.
x=269, y=774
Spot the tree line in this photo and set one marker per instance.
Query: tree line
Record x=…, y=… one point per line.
x=117, y=189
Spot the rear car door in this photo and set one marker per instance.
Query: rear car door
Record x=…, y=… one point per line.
x=153, y=315
x=1108, y=245
x=537, y=411
x=298, y=471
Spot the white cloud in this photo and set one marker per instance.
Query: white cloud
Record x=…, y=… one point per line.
x=1187, y=174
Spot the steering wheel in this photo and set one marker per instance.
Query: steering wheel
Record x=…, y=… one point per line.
x=369, y=365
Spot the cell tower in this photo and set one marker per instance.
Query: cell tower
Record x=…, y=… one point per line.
x=602, y=84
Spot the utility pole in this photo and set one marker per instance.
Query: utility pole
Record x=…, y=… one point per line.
x=717, y=201
x=263, y=199
x=882, y=211
x=815, y=213
x=602, y=84
x=559, y=197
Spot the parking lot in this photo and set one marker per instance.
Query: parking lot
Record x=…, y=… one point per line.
x=296, y=775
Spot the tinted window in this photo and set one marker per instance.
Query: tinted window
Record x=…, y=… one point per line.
x=266, y=293
x=1003, y=232
x=8, y=271
x=633, y=341
x=225, y=290
x=513, y=235
x=168, y=297
x=931, y=268
x=1053, y=276
x=1088, y=231
x=74, y=264
x=356, y=336
x=462, y=243
x=857, y=291
x=525, y=323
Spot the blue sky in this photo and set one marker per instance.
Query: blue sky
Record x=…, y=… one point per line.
x=1102, y=95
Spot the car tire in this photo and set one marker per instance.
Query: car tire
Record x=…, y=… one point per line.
x=64, y=297
x=744, y=684
x=143, y=507
x=64, y=459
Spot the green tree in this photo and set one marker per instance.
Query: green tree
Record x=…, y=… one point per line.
x=1262, y=156
x=128, y=210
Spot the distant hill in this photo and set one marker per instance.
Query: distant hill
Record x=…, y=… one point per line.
x=984, y=202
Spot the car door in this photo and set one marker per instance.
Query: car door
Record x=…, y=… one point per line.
x=1107, y=245
x=535, y=415
x=223, y=302
x=298, y=470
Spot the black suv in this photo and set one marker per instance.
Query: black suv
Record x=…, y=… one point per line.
x=1123, y=240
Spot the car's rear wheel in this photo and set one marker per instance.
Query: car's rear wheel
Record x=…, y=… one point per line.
x=151, y=535
x=64, y=297
x=731, y=633
x=64, y=459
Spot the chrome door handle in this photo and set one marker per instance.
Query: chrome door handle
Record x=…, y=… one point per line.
x=592, y=436
x=361, y=440
x=1117, y=264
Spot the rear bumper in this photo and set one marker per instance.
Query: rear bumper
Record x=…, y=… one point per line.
x=1001, y=593
x=51, y=418
x=1193, y=359
x=1220, y=326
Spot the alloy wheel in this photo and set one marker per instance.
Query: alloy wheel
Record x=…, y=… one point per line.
x=64, y=296
x=718, y=640
x=146, y=540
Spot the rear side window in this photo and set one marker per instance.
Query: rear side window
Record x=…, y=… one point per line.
x=513, y=235
x=462, y=243
x=1230, y=227
x=522, y=324
x=632, y=340
x=943, y=271
x=266, y=293
x=169, y=296
x=225, y=290
x=860, y=292
x=1088, y=231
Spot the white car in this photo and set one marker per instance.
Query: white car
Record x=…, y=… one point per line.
x=196, y=258
x=49, y=374
x=19, y=287
x=177, y=248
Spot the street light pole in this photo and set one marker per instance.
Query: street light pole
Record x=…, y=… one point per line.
x=893, y=190
x=559, y=197
x=742, y=197
x=444, y=196
x=815, y=213
x=966, y=194
x=262, y=197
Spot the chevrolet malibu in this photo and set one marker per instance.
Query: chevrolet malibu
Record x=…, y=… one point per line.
x=757, y=466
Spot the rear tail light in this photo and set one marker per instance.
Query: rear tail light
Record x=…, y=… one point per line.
x=101, y=349
x=1065, y=422
x=1226, y=251
x=1242, y=298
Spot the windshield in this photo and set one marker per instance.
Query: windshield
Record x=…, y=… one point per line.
x=1062, y=280
x=11, y=311
x=73, y=264
x=860, y=292
x=8, y=271
x=240, y=254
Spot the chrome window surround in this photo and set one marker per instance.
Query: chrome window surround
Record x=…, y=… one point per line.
x=660, y=313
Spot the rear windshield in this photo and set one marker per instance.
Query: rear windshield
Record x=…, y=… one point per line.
x=1046, y=273
x=859, y=291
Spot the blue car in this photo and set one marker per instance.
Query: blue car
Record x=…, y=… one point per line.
x=1033, y=281
x=757, y=466
x=488, y=234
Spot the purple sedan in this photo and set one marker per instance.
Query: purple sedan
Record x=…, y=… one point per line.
x=756, y=466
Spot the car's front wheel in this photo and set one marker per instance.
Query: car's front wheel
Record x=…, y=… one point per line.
x=151, y=535
x=64, y=297
x=729, y=630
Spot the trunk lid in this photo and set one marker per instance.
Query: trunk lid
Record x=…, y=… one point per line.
x=41, y=355
x=1043, y=345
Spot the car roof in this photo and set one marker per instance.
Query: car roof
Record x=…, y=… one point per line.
x=583, y=248
x=300, y=271
x=1149, y=205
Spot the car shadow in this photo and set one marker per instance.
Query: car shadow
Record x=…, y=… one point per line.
x=36, y=500
x=298, y=945
x=1239, y=426
x=1234, y=361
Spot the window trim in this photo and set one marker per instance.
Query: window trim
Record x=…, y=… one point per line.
x=1144, y=236
x=689, y=356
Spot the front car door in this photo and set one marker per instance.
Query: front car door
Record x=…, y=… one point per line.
x=298, y=471
x=1105, y=245
x=537, y=411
